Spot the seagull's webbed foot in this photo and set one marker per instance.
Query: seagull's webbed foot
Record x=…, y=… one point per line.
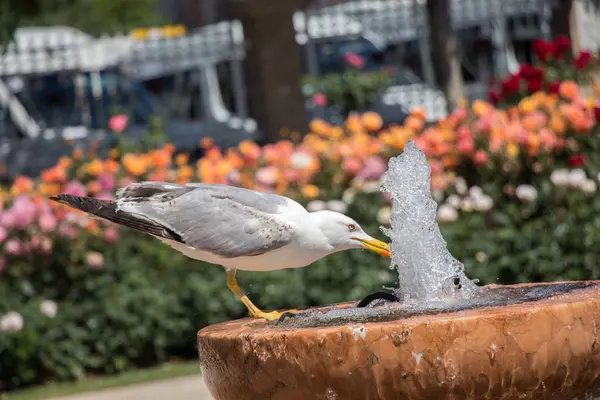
x=254, y=311
x=278, y=316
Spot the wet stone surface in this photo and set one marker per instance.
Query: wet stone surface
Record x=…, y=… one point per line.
x=386, y=309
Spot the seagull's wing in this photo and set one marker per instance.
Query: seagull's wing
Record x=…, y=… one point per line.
x=223, y=220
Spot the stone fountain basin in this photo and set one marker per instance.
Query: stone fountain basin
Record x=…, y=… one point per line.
x=543, y=346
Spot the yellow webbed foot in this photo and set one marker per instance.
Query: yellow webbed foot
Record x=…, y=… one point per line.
x=270, y=315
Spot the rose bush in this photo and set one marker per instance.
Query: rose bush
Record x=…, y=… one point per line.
x=555, y=63
x=351, y=90
x=517, y=193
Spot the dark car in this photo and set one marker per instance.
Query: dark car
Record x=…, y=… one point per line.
x=71, y=114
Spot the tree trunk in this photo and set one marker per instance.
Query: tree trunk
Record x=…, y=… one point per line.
x=444, y=51
x=562, y=21
x=273, y=64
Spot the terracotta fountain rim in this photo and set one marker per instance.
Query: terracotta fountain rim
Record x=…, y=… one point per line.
x=546, y=349
x=248, y=326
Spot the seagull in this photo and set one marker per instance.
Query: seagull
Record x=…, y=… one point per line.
x=237, y=228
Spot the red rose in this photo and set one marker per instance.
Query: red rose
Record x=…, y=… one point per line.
x=583, y=59
x=528, y=73
x=510, y=85
x=597, y=113
x=534, y=85
x=494, y=97
x=562, y=43
x=577, y=160
x=543, y=49
x=525, y=71
x=538, y=73
x=553, y=87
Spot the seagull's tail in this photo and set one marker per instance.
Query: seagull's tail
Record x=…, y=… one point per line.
x=108, y=210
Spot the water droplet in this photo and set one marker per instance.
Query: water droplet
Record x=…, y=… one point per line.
x=331, y=395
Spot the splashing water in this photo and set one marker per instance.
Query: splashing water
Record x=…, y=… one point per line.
x=428, y=273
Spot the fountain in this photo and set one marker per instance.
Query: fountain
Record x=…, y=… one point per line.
x=437, y=336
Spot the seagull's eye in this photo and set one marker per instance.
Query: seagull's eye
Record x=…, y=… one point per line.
x=351, y=227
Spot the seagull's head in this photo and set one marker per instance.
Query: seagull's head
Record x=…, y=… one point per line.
x=343, y=233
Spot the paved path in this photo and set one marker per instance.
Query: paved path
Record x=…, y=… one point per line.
x=187, y=388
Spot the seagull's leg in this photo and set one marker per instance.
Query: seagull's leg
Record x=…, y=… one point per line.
x=252, y=309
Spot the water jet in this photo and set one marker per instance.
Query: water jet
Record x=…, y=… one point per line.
x=437, y=336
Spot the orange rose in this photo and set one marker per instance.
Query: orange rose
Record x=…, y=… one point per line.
x=310, y=191
x=134, y=165
x=558, y=125
x=182, y=159
x=372, y=121
x=569, y=90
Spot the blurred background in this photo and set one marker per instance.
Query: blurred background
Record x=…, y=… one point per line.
x=304, y=98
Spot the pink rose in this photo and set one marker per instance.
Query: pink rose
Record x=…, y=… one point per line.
x=3, y=234
x=46, y=245
x=547, y=138
x=7, y=219
x=460, y=113
x=106, y=181
x=523, y=137
x=47, y=222
x=36, y=242
x=111, y=235
x=466, y=145
x=118, y=123
x=351, y=165
x=354, y=60
x=81, y=220
x=320, y=100
x=75, y=188
x=233, y=177
x=23, y=211
x=436, y=166
x=67, y=231
x=484, y=124
x=480, y=157
x=13, y=247
x=464, y=132
x=266, y=176
x=292, y=175
x=373, y=169
x=44, y=207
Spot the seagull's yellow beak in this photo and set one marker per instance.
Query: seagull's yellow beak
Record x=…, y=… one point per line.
x=376, y=246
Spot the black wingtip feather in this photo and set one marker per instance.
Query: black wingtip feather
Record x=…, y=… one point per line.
x=107, y=209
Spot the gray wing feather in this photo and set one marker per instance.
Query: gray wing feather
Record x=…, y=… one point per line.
x=223, y=220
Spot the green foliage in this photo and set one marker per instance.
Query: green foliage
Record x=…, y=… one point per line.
x=353, y=90
x=548, y=242
x=146, y=304
x=153, y=138
x=95, y=17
